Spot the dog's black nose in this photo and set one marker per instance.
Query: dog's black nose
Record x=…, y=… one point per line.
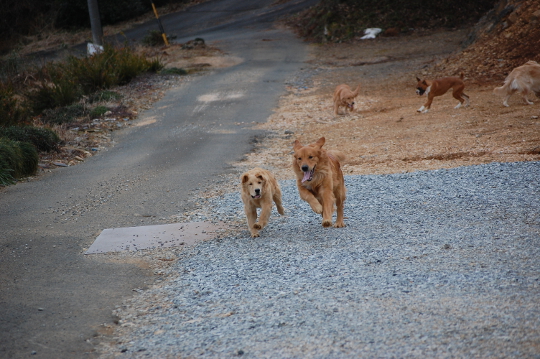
x=257, y=191
x=305, y=168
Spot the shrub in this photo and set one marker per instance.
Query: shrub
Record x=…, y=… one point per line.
x=43, y=139
x=18, y=159
x=155, y=65
x=153, y=38
x=62, y=84
x=338, y=20
x=104, y=96
x=65, y=114
x=56, y=88
x=11, y=113
x=5, y=175
x=98, y=111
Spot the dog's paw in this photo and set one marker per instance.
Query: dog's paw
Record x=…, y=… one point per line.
x=281, y=211
x=257, y=226
x=327, y=223
x=317, y=209
x=339, y=224
x=255, y=234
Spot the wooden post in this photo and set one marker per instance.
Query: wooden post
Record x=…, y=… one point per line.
x=160, y=25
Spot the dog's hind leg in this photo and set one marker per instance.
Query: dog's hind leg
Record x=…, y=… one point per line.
x=467, y=101
x=525, y=94
x=505, y=100
x=458, y=94
x=339, y=220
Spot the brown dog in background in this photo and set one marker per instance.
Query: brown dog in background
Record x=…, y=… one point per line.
x=320, y=180
x=344, y=97
x=259, y=190
x=523, y=79
x=440, y=87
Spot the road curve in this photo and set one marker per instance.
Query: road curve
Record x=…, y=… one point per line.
x=52, y=297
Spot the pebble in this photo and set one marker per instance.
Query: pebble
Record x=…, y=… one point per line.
x=381, y=287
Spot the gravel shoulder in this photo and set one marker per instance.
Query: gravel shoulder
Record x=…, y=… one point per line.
x=439, y=258
x=432, y=264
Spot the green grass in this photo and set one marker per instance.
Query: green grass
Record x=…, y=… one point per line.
x=98, y=111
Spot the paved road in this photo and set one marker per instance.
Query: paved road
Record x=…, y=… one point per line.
x=52, y=297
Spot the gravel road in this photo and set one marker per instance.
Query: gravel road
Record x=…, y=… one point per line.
x=437, y=263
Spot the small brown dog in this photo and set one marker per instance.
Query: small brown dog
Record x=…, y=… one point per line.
x=259, y=190
x=320, y=180
x=344, y=97
x=523, y=79
x=440, y=87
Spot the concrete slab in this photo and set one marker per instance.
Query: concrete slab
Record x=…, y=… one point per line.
x=152, y=237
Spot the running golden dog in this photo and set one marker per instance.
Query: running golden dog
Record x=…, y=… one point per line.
x=344, y=97
x=320, y=180
x=524, y=80
x=259, y=190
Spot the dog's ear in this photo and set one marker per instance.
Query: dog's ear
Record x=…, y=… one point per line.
x=296, y=145
x=417, y=79
x=244, y=178
x=424, y=82
x=320, y=142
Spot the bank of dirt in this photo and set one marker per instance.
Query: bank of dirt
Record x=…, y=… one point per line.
x=386, y=134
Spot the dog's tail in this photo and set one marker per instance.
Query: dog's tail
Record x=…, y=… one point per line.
x=510, y=86
x=357, y=91
x=461, y=75
x=500, y=91
x=340, y=156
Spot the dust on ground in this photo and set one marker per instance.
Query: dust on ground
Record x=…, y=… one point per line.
x=386, y=134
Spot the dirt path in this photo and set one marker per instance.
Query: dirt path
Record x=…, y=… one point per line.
x=386, y=134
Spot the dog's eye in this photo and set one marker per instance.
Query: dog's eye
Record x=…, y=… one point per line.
x=260, y=182
x=299, y=158
x=310, y=157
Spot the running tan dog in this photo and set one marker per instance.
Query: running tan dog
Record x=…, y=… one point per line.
x=344, y=97
x=440, y=87
x=259, y=190
x=523, y=79
x=320, y=180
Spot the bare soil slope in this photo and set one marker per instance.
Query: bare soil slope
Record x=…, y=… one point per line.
x=386, y=134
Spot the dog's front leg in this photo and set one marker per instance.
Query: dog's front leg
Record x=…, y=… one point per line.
x=266, y=210
x=328, y=208
x=251, y=214
x=308, y=196
x=277, y=201
x=427, y=105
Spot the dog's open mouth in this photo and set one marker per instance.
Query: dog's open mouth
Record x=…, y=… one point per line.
x=256, y=196
x=308, y=175
x=420, y=91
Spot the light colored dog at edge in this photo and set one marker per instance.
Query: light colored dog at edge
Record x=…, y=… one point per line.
x=524, y=80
